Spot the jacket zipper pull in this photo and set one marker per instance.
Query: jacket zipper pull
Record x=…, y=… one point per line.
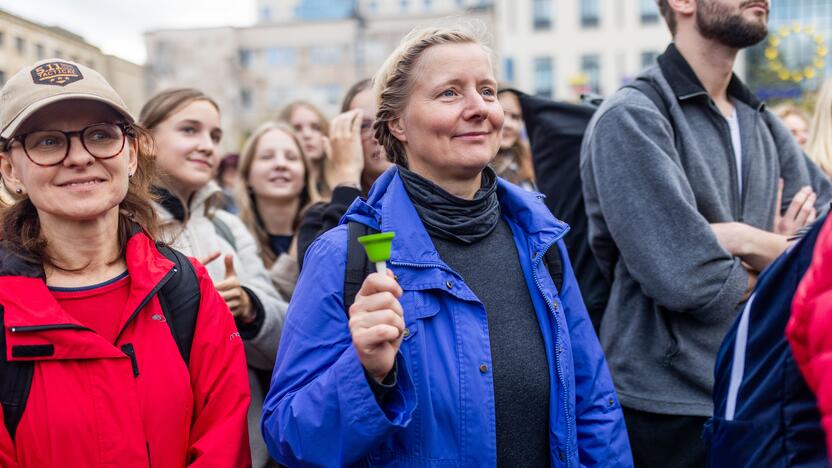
x=131, y=353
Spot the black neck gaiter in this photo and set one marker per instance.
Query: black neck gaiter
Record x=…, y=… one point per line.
x=450, y=217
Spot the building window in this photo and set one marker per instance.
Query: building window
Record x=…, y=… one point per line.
x=508, y=69
x=281, y=56
x=325, y=55
x=20, y=45
x=40, y=51
x=460, y=3
x=372, y=6
x=404, y=4
x=542, y=14
x=591, y=68
x=265, y=14
x=245, y=99
x=245, y=57
x=648, y=59
x=544, y=77
x=649, y=11
x=427, y=3
x=590, y=13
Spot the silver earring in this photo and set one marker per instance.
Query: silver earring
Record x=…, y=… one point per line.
x=19, y=190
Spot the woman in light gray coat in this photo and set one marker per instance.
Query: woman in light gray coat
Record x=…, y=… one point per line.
x=186, y=128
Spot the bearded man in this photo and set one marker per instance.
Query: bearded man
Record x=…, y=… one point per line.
x=691, y=187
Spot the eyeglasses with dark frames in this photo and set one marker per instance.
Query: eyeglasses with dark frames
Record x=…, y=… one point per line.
x=47, y=148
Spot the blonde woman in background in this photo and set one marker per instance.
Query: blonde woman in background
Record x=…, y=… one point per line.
x=796, y=120
x=819, y=146
x=272, y=191
x=312, y=129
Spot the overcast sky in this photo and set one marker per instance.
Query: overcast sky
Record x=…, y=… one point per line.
x=117, y=26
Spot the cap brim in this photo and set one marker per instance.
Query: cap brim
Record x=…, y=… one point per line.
x=10, y=129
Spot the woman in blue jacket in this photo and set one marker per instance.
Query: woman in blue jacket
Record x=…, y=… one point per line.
x=469, y=355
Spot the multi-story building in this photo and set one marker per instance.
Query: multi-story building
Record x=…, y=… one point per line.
x=797, y=56
x=562, y=48
x=23, y=42
x=303, y=49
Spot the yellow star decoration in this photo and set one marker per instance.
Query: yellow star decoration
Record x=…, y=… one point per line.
x=775, y=64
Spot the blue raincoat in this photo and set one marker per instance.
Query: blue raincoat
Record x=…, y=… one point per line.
x=320, y=410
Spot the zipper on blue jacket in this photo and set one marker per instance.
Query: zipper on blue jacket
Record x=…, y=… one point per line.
x=556, y=326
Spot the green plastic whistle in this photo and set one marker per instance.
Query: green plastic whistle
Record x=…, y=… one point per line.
x=377, y=247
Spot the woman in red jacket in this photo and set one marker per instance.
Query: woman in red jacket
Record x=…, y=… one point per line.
x=80, y=300
x=810, y=328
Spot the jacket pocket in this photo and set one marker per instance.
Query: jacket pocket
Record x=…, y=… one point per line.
x=668, y=338
x=417, y=306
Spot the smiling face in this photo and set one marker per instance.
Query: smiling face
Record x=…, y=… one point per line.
x=81, y=188
x=187, y=147
x=309, y=129
x=450, y=127
x=277, y=171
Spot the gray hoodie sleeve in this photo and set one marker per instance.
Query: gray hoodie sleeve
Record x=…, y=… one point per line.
x=638, y=196
x=261, y=349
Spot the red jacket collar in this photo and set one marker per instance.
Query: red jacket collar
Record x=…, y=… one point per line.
x=27, y=302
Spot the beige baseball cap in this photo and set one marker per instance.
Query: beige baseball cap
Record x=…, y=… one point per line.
x=50, y=81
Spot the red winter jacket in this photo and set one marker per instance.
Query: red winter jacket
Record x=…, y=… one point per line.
x=87, y=409
x=810, y=328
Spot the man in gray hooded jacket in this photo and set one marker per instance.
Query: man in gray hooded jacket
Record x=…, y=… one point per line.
x=684, y=211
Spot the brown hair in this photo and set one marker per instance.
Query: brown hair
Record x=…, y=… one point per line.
x=21, y=225
x=245, y=197
x=394, y=80
x=668, y=14
x=354, y=91
x=166, y=103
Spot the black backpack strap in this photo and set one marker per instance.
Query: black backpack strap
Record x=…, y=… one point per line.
x=554, y=264
x=15, y=383
x=179, y=298
x=651, y=89
x=222, y=229
x=358, y=265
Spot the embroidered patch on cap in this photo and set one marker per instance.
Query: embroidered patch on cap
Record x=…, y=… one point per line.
x=56, y=74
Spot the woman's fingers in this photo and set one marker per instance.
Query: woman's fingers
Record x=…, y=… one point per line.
x=376, y=283
x=367, y=340
x=378, y=301
x=378, y=317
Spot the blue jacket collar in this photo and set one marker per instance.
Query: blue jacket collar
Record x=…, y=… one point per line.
x=388, y=208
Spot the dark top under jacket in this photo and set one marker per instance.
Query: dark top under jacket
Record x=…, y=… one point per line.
x=491, y=268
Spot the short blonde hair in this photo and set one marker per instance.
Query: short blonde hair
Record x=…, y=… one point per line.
x=819, y=146
x=393, y=81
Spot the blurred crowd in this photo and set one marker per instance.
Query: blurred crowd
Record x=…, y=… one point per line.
x=654, y=293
